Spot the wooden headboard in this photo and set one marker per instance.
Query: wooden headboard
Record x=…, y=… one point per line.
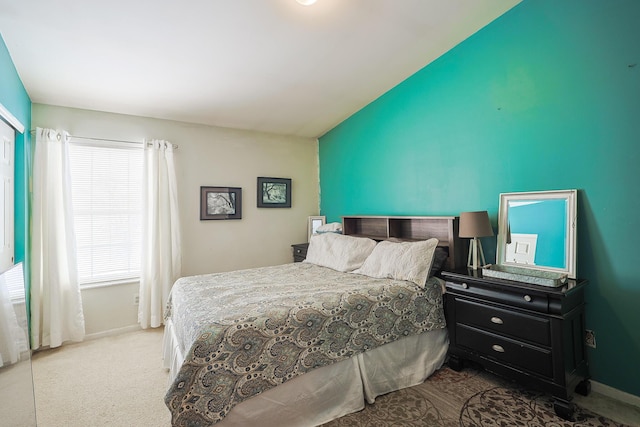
x=411, y=228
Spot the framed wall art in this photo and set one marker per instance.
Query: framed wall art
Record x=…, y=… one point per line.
x=220, y=203
x=274, y=192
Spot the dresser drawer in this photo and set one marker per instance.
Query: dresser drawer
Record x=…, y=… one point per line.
x=527, y=357
x=535, y=329
x=516, y=298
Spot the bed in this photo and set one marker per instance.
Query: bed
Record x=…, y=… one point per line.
x=301, y=344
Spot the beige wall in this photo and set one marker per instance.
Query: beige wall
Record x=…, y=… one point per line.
x=207, y=156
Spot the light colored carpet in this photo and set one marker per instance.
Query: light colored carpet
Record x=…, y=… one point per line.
x=112, y=381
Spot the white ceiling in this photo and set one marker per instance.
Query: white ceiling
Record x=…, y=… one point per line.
x=267, y=65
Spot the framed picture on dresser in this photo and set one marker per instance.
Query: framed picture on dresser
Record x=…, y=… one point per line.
x=314, y=223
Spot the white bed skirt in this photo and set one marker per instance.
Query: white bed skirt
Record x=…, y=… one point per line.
x=333, y=391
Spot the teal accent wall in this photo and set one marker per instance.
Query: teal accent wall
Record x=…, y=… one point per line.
x=14, y=97
x=546, y=97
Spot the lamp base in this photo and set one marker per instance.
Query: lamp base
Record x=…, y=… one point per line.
x=476, y=254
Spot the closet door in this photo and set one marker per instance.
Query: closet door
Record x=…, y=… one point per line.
x=7, y=158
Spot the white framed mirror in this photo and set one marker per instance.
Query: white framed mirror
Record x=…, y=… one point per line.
x=537, y=230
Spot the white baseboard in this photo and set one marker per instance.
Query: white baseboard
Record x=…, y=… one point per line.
x=112, y=332
x=614, y=393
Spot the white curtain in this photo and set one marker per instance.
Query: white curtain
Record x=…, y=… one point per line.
x=56, y=303
x=161, y=255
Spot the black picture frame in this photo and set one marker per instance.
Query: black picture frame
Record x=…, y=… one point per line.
x=274, y=192
x=220, y=203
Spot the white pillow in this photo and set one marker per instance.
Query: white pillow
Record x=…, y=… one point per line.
x=339, y=252
x=409, y=261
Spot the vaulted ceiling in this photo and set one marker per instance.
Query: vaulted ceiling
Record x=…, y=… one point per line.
x=265, y=65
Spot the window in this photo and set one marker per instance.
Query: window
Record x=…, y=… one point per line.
x=106, y=182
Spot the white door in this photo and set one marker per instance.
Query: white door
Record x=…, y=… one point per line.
x=7, y=144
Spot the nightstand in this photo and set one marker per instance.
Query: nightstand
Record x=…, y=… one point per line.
x=531, y=334
x=300, y=251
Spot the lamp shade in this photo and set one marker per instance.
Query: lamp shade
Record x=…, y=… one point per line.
x=475, y=224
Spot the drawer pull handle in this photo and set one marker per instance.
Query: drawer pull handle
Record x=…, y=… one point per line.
x=465, y=286
x=497, y=348
x=527, y=298
x=497, y=320
x=298, y=251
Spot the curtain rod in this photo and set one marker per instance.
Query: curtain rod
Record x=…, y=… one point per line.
x=175, y=146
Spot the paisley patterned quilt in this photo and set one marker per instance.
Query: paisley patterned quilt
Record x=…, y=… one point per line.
x=247, y=331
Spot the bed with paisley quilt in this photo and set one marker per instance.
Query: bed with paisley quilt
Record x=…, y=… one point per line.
x=301, y=344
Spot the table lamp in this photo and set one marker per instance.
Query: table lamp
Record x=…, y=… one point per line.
x=474, y=225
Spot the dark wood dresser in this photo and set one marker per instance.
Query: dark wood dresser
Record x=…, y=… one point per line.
x=531, y=334
x=300, y=251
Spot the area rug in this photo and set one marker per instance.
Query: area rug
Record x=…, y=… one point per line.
x=471, y=398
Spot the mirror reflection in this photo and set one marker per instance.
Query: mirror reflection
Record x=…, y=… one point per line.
x=537, y=230
x=16, y=380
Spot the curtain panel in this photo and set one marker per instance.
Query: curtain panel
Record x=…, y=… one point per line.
x=161, y=259
x=56, y=303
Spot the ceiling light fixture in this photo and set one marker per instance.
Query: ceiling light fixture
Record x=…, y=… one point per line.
x=306, y=2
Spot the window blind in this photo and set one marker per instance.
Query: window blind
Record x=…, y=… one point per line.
x=106, y=181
